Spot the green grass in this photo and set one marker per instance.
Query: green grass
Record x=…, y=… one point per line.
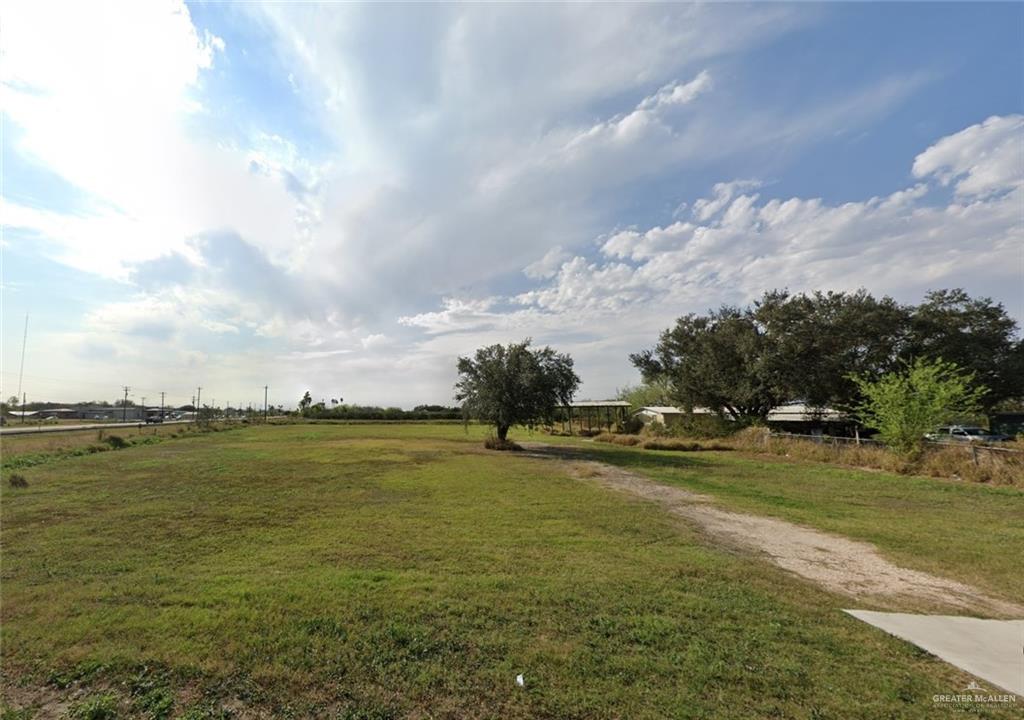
x=966, y=531
x=361, y=571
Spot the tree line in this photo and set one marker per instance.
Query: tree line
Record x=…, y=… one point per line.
x=336, y=409
x=822, y=347
x=896, y=367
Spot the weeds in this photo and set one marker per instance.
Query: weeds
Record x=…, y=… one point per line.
x=995, y=466
x=659, y=443
x=157, y=703
x=97, y=707
x=9, y=713
x=17, y=481
x=493, y=443
x=117, y=442
x=958, y=462
x=629, y=440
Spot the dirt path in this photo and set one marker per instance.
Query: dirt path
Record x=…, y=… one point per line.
x=850, y=567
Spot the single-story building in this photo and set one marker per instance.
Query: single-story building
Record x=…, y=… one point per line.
x=803, y=419
x=668, y=415
x=794, y=417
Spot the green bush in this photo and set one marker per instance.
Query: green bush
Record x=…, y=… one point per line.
x=97, y=707
x=17, y=481
x=117, y=442
x=157, y=703
x=905, y=405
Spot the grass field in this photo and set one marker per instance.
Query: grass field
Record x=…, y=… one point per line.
x=966, y=531
x=385, y=571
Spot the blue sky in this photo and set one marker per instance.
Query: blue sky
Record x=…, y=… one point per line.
x=345, y=198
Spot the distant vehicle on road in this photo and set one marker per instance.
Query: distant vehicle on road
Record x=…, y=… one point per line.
x=965, y=433
x=154, y=419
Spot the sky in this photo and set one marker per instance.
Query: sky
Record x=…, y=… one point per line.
x=344, y=198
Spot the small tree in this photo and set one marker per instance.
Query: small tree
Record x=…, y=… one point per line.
x=655, y=392
x=305, y=402
x=515, y=385
x=905, y=405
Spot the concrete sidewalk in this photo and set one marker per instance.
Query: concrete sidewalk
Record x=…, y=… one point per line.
x=992, y=650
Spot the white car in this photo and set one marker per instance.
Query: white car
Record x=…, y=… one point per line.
x=965, y=433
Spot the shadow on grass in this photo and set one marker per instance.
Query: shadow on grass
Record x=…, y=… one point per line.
x=618, y=455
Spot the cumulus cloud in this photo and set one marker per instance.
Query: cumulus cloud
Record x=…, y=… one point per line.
x=735, y=245
x=979, y=160
x=464, y=191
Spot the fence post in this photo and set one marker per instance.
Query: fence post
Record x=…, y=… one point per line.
x=974, y=454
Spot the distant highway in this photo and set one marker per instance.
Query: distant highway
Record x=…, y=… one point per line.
x=25, y=430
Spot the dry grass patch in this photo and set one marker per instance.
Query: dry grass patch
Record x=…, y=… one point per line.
x=659, y=443
x=493, y=443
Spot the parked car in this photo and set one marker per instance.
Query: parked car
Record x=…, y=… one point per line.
x=965, y=433
x=154, y=419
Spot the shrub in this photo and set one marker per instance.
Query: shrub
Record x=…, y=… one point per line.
x=974, y=464
x=618, y=439
x=655, y=429
x=17, y=481
x=905, y=405
x=679, y=445
x=117, y=442
x=97, y=707
x=632, y=425
x=703, y=426
x=494, y=443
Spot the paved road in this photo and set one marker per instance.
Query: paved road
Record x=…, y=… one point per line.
x=25, y=430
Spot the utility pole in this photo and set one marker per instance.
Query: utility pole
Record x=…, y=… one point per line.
x=142, y=417
x=199, y=400
x=21, y=371
x=265, y=403
x=124, y=405
x=161, y=405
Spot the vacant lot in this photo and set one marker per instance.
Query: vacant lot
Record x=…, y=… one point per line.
x=363, y=571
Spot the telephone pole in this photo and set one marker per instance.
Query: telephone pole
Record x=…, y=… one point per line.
x=21, y=371
x=199, y=401
x=265, y=403
x=161, y=405
x=124, y=405
x=142, y=417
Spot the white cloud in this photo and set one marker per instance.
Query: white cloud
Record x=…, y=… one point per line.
x=463, y=168
x=737, y=245
x=676, y=93
x=982, y=159
x=548, y=265
x=114, y=113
